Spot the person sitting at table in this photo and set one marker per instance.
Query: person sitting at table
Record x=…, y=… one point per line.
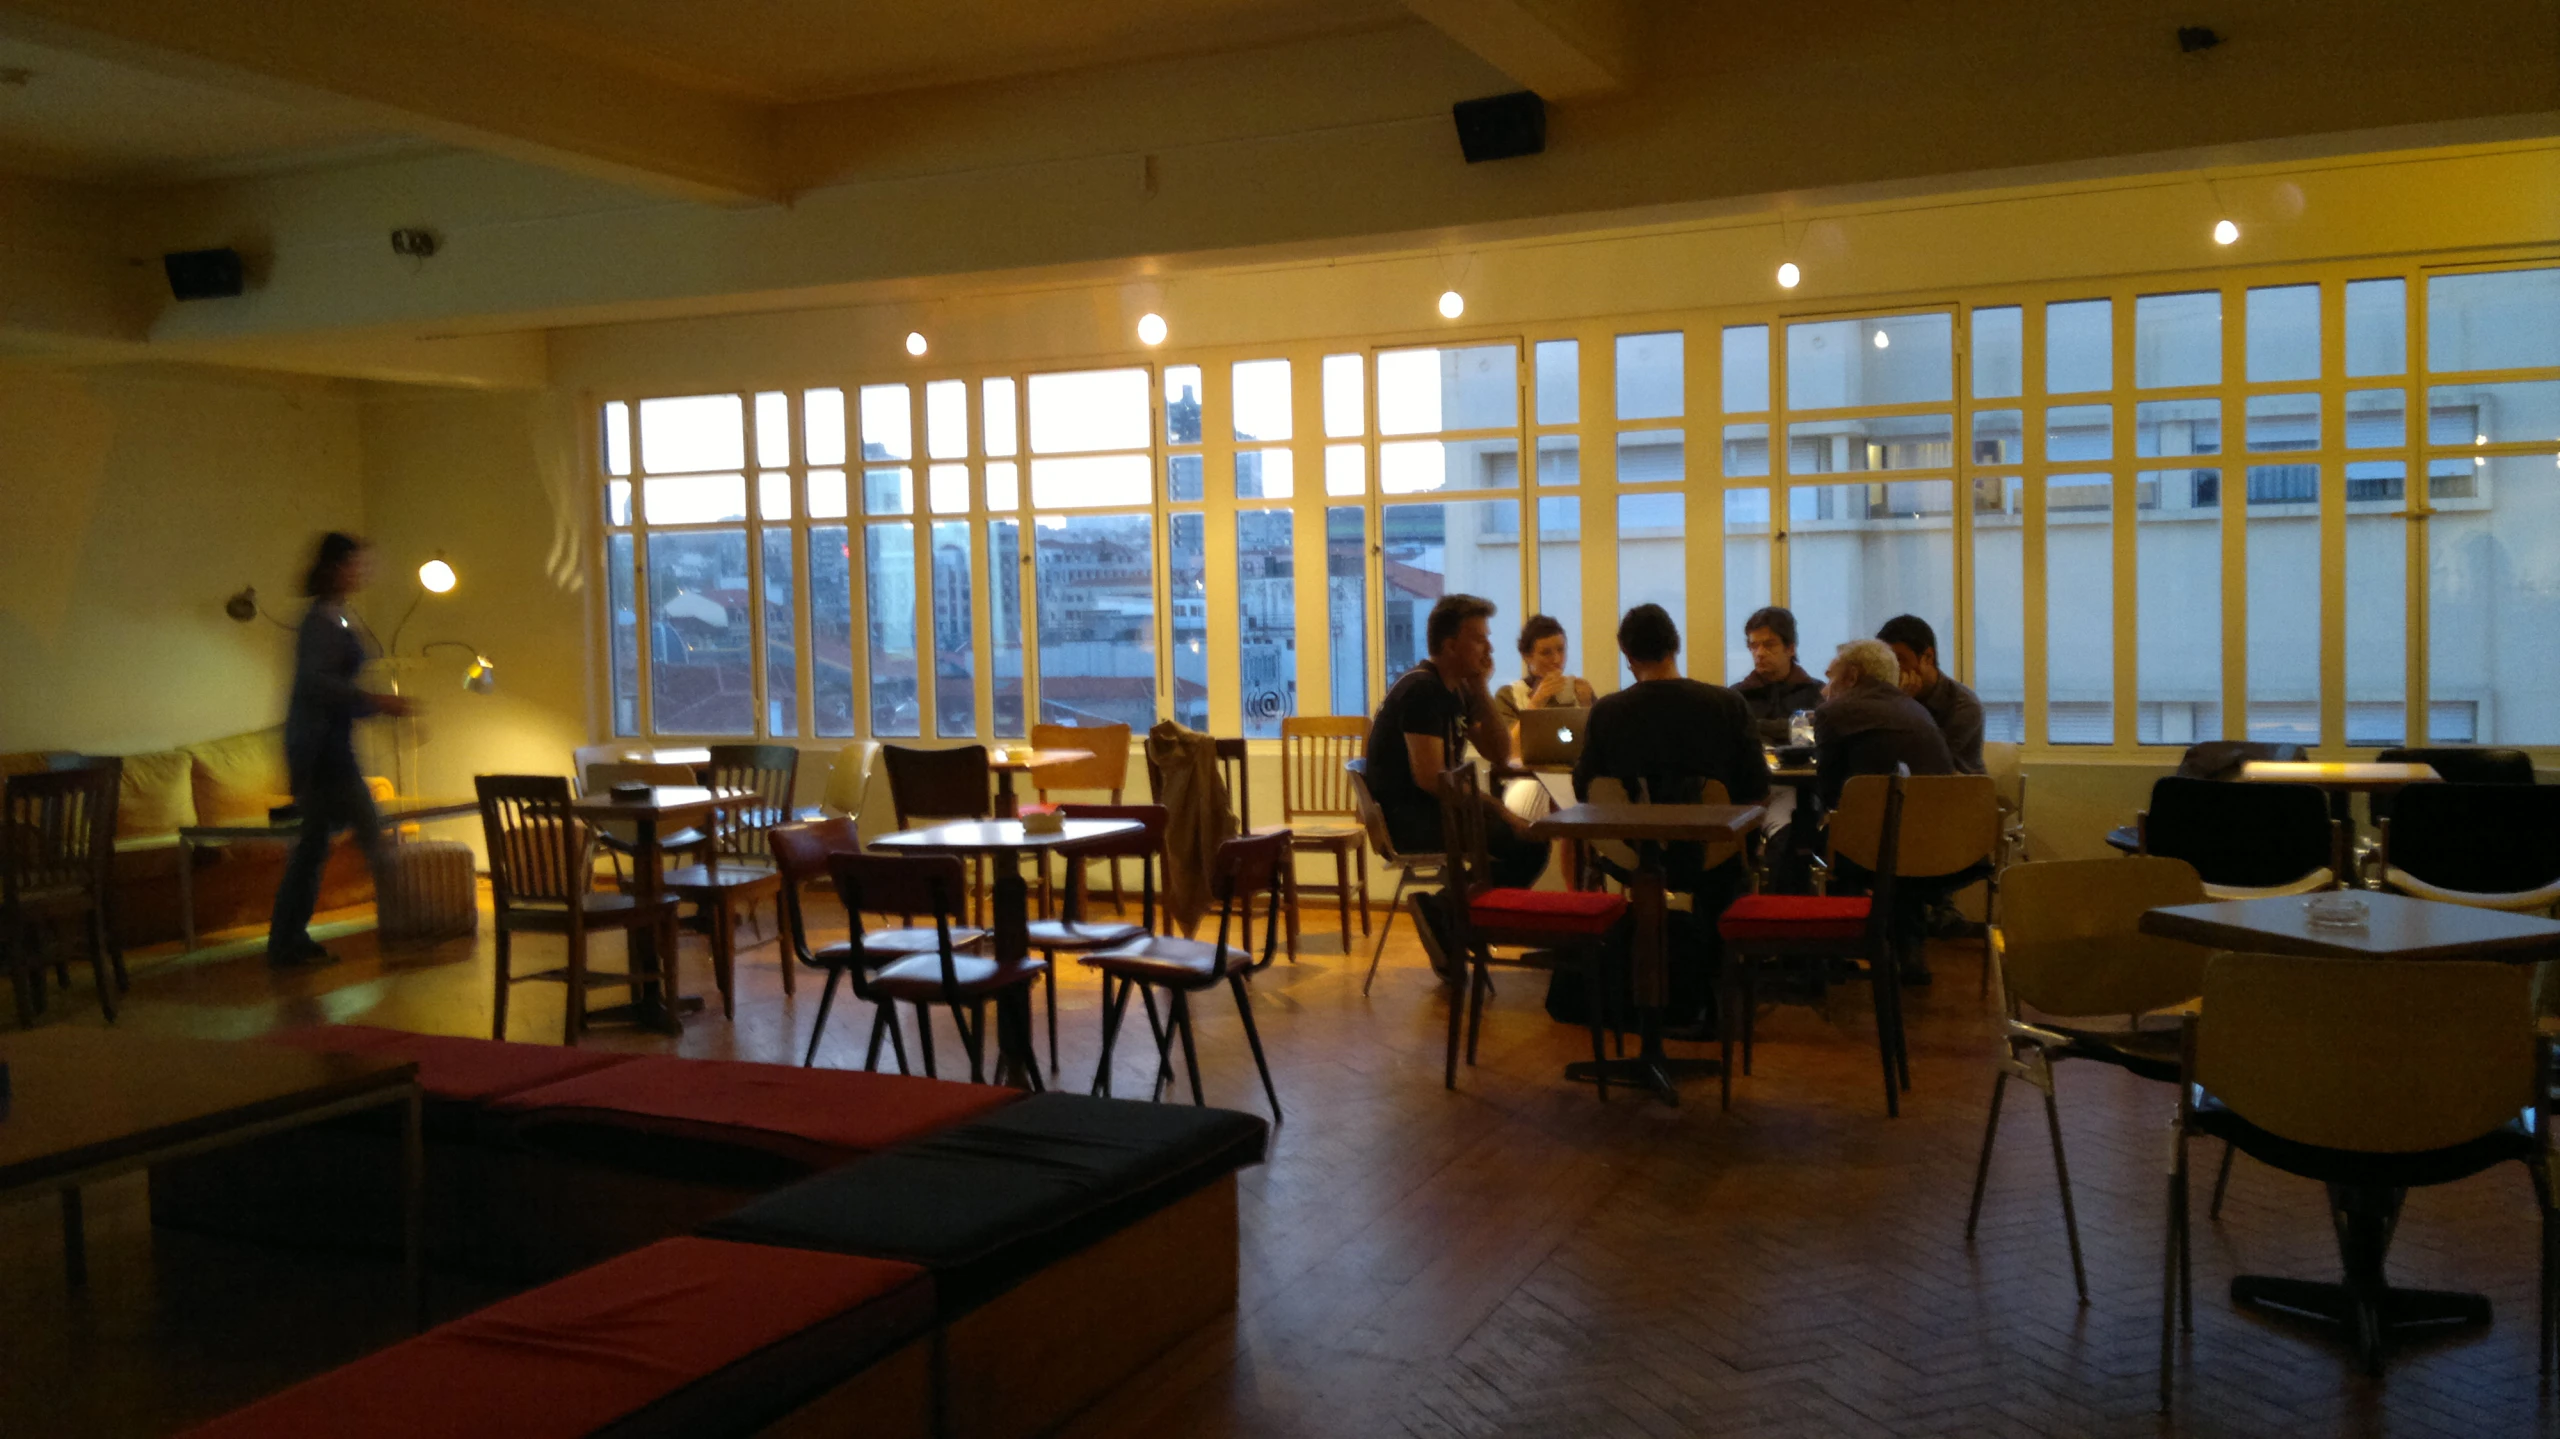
x=1777, y=686
x=1665, y=735
x=1428, y=718
x=1545, y=685
x=1869, y=726
x=1955, y=709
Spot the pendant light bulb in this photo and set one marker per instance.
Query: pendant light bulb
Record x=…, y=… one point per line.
x=1789, y=276
x=1883, y=340
x=2225, y=233
x=915, y=343
x=1452, y=304
x=1151, y=328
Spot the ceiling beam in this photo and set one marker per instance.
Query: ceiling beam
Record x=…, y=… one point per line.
x=429, y=73
x=1559, y=48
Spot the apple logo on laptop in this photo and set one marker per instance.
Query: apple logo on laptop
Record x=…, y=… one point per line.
x=1564, y=735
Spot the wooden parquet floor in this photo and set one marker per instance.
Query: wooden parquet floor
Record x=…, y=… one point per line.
x=1513, y=1259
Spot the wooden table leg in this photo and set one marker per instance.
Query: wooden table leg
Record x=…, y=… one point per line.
x=1009, y=906
x=1006, y=806
x=1652, y=1069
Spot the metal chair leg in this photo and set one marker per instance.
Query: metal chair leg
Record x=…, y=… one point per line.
x=2062, y=1177
x=924, y=1036
x=1253, y=1037
x=1190, y=1049
x=817, y=1031
x=1384, y=929
x=1982, y=1166
x=2221, y=1182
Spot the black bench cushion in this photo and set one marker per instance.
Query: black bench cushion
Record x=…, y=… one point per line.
x=985, y=1203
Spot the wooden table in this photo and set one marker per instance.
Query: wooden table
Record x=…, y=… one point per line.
x=1649, y=827
x=1005, y=841
x=667, y=808
x=1011, y=760
x=2397, y=926
x=394, y=814
x=87, y=1105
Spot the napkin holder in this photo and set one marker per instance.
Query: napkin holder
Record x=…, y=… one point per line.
x=1044, y=822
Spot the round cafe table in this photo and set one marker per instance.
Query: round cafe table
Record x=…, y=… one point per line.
x=1008, y=761
x=1005, y=842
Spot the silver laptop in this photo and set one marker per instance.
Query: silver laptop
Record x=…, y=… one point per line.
x=1552, y=736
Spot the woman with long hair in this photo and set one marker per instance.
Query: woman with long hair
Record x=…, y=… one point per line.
x=320, y=744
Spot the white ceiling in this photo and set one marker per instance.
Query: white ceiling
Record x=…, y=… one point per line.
x=79, y=117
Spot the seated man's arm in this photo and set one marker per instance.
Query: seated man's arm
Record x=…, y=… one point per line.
x=1429, y=757
x=1964, y=734
x=1749, y=781
x=1485, y=729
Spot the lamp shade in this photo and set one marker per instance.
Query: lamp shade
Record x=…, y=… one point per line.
x=480, y=676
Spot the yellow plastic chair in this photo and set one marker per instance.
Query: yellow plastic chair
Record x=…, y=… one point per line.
x=1950, y=823
x=2069, y=948
x=2373, y=1077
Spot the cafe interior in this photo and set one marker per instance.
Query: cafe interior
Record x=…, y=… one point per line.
x=717, y=1019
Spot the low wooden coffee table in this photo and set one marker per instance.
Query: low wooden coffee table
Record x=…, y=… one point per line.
x=87, y=1105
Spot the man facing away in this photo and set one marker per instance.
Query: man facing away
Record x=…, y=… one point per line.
x=1869, y=726
x=1777, y=686
x=1957, y=713
x=1664, y=736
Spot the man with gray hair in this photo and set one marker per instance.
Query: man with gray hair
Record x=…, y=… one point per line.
x=1867, y=725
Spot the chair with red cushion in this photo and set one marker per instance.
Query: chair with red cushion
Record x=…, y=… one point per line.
x=802, y=852
x=937, y=885
x=1071, y=932
x=1824, y=928
x=1556, y=929
x=1244, y=867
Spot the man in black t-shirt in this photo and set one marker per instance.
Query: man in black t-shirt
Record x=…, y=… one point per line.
x=1436, y=709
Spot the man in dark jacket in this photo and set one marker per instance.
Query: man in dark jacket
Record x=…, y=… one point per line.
x=1953, y=706
x=1869, y=725
x=1777, y=686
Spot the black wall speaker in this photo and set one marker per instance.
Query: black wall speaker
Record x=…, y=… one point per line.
x=203, y=274
x=1501, y=126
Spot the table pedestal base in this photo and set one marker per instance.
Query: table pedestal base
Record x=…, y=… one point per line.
x=1651, y=1071
x=2367, y=1310
x=649, y=1014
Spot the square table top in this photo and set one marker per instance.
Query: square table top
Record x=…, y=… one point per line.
x=392, y=811
x=2328, y=774
x=986, y=836
x=81, y=1098
x=2396, y=927
x=663, y=800
x=1016, y=759
x=1675, y=822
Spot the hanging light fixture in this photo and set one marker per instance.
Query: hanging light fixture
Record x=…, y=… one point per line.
x=1151, y=328
x=1452, y=304
x=915, y=343
x=2225, y=233
x=1789, y=276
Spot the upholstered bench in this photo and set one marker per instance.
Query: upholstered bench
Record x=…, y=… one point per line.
x=1071, y=1241
x=610, y=1159
x=687, y=1337
x=337, y=1185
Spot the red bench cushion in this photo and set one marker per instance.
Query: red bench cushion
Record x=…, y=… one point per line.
x=635, y=1345
x=1547, y=911
x=463, y=1071
x=1794, y=916
x=813, y=1117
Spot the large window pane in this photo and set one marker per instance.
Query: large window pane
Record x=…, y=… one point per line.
x=2177, y=340
x=2079, y=346
x=2493, y=584
x=1653, y=566
x=624, y=620
x=701, y=634
x=1857, y=555
x=1413, y=467
x=1097, y=611
x=1187, y=569
x=1262, y=400
x=1559, y=460
x=773, y=429
x=2284, y=333
x=694, y=499
x=2283, y=422
x=781, y=670
x=1746, y=369
x=1346, y=570
x=2377, y=327
x=1090, y=481
x=2080, y=432
x=1264, y=475
x=2377, y=605
x=996, y=396
x=822, y=426
x=1746, y=449
x=955, y=689
x=1559, y=578
x=1999, y=437
x=1645, y=457
x=1463, y=547
x=1888, y=360
x=830, y=631
x=1880, y=442
x=1266, y=620
x=1423, y=392
x=1004, y=618
x=2503, y=320
x=889, y=595
x=1089, y=410
x=2079, y=610
x=1999, y=606
x=2177, y=427
x=1345, y=397
x=1182, y=404
x=2521, y=413
x=888, y=426
x=694, y=432
x=2177, y=579
x=1999, y=353
x=1650, y=376
x=946, y=420
x=1559, y=366
x=1746, y=575
x=617, y=438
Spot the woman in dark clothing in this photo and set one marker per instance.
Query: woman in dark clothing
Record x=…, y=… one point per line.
x=320, y=747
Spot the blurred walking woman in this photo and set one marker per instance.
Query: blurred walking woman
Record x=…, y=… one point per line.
x=320, y=745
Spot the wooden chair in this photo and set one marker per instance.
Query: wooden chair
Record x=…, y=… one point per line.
x=1431, y=868
x=803, y=853
x=1557, y=929
x=1071, y=933
x=1318, y=809
x=1106, y=773
x=929, y=786
x=540, y=879
x=1823, y=928
x=57, y=860
x=2071, y=945
x=934, y=886
x=1245, y=867
x=2314, y=1067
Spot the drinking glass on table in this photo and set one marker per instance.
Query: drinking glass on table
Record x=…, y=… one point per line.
x=1800, y=728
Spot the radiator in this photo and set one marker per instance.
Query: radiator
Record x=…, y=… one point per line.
x=427, y=890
